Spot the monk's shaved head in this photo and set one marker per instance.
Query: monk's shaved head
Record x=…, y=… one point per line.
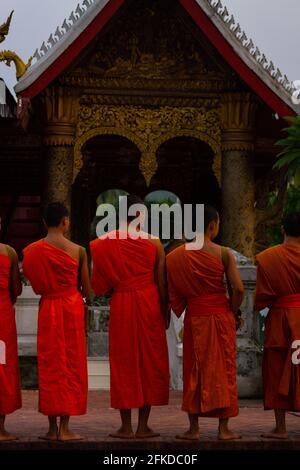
x=210, y=215
x=54, y=214
x=291, y=224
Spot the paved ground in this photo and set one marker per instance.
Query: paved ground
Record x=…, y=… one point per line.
x=28, y=424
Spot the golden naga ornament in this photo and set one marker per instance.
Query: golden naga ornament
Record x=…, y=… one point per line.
x=9, y=56
x=4, y=28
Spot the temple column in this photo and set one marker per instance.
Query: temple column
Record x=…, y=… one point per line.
x=59, y=106
x=238, y=189
x=59, y=174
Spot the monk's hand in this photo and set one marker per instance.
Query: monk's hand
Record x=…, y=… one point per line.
x=239, y=321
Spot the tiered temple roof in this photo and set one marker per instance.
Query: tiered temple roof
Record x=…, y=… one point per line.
x=211, y=16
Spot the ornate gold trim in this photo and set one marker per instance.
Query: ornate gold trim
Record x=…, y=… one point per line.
x=148, y=128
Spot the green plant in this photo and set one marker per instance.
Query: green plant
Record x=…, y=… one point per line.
x=290, y=155
x=291, y=204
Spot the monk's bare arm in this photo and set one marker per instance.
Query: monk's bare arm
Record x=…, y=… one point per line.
x=16, y=277
x=161, y=278
x=85, y=279
x=236, y=284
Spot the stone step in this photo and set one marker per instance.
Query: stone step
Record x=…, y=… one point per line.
x=98, y=373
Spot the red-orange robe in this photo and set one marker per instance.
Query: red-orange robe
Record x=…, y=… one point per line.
x=10, y=389
x=278, y=283
x=138, y=353
x=62, y=365
x=196, y=283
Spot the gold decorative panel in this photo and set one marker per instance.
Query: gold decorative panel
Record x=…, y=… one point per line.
x=148, y=128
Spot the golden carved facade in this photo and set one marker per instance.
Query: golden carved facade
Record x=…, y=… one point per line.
x=238, y=121
x=147, y=128
x=60, y=113
x=147, y=79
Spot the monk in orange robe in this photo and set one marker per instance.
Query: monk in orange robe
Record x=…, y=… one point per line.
x=278, y=288
x=133, y=269
x=57, y=270
x=10, y=289
x=196, y=286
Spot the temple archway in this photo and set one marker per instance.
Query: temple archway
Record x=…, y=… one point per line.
x=109, y=161
x=186, y=168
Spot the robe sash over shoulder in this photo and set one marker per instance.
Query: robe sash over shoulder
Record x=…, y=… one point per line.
x=138, y=353
x=62, y=364
x=196, y=285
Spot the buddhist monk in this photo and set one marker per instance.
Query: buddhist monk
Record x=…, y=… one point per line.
x=10, y=289
x=278, y=288
x=132, y=268
x=57, y=270
x=196, y=286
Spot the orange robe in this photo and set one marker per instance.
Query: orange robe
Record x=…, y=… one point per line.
x=62, y=365
x=138, y=353
x=10, y=389
x=278, y=277
x=196, y=283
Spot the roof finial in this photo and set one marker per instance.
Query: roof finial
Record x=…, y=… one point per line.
x=4, y=28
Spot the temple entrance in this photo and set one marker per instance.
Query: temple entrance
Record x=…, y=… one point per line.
x=185, y=168
x=112, y=161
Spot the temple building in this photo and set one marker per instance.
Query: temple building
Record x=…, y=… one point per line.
x=141, y=96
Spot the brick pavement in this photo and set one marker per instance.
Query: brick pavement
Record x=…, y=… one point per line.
x=28, y=424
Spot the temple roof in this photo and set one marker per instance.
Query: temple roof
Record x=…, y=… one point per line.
x=62, y=47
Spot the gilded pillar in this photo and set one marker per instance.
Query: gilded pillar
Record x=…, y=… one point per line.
x=60, y=115
x=238, y=189
x=58, y=174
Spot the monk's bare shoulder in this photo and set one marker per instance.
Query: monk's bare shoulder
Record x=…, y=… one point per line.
x=73, y=249
x=12, y=251
x=73, y=245
x=2, y=249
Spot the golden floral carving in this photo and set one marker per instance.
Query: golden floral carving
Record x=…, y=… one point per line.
x=238, y=121
x=59, y=174
x=148, y=128
x=148, y=166
x=60, y=114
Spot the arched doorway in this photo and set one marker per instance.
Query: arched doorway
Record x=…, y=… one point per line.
x=112, y=161
x=109, y=161
x=185, y=167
